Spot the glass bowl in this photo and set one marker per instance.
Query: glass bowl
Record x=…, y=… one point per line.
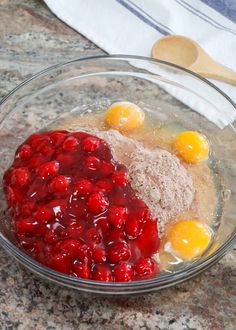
x=79, y=85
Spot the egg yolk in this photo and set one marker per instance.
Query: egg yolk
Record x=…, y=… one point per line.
x=124, y=116
x=189, y=239
x=192, y=146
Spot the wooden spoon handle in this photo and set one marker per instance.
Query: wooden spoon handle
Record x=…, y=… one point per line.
x=218, y=72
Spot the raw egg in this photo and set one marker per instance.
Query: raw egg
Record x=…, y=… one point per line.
x=124, y=116
x=189, y=238
x=192, y=146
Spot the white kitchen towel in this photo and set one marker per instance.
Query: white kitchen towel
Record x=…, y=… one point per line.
x=132, y=26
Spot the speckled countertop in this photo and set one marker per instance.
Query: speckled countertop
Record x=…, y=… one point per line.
x=31, y=38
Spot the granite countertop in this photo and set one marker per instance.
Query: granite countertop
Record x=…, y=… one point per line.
x=32, y=38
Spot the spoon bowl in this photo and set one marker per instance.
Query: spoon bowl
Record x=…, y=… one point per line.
x=187, y=53
x=171, y=49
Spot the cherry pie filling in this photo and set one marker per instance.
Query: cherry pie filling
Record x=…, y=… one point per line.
x=74, y=210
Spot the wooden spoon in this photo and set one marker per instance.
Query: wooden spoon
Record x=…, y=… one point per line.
x=187, y=53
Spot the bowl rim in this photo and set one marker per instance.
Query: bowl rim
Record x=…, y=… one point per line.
x=159, y=281
x=116, y=57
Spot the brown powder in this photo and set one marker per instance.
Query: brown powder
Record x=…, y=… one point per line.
x=157, y=175
x=162, y=182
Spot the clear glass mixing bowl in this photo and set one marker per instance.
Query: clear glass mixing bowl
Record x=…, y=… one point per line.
x=96, y=82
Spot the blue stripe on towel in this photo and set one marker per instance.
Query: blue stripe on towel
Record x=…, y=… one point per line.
x=204, y=17
x=138, y=14
x=151, y=18
x=208, y=17
x=225, y=8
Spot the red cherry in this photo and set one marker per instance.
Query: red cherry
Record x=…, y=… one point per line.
x=119, y=197
x=117, y=215
x=99, y=255
x=27, y=208
x=59, y=184
x=58, y=137
x=7, y=178
x=47, y=151
x=56, y=248
x=103, y=225
x=81, y=270
x=141, y=211
x=25, y=151
x=58, y=206
x=102, y=272
x=65, y=160
x=27, y=225
x=75, y=230
x=145, y=267
x=93, y=235
x=44, y=214
x=118, y=252
x=70, y=247
x=38, y=142
x=106, y=168
x=78, y=207
x=123, y=272
x=70, y=144
x=97, y=203
x=20, y=177
x=35, y=161
x=38, y=139
x=148, y=242
x=120, y=178
x=92, y=162
x=48, y=170
x=133, y=228
x=60, y=263
x=80, y=135
x=90, y=143
x=34, y=246
x=105, y=185
x=50, y=236
x=13, y=196
x=114, y=235
x=33, y=137
x=84, y=187
x=84, y=254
